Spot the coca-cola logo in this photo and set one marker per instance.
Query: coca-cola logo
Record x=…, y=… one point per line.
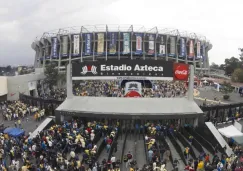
x=180, y=71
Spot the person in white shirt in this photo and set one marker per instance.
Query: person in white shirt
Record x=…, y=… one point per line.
x=113, y=161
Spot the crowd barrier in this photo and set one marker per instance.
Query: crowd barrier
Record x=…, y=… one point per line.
x=177, y=147
x=112, y=145
x=195, y=143
x=145, y=148
x=166, y=145
x=124, y=145
x=201, y=139
x=186, y=144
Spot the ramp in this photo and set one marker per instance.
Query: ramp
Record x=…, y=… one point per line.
x=219, y=137
x=41, y=127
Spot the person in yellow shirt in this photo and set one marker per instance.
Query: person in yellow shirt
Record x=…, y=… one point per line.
x=200, y=166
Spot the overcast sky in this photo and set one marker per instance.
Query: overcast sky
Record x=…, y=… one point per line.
x=22, y=20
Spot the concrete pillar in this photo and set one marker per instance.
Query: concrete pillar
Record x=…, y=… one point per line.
x=191, y=83
x=69, y=82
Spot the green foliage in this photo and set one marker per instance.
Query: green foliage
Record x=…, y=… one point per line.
x=51, y=73
x=237, y=75
x=226, y=88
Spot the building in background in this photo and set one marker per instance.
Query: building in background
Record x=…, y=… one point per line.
x=118, y=42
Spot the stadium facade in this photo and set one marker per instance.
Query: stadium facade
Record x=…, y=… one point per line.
x=117, y=42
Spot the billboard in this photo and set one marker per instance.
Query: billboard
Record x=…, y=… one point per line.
x=198, y=50
x=54, y=48
x=122, y=69
x=191, y=49
x=133, y=86
x=139, y=44
x=3, y=85
x=101, y=43
x=162, y=42
x=182, y=47
x=88, y=40
x=76, y=45
x=151, y=44
x=65, y=46
x=126, y=43
x=112, y=46
x=172, y=46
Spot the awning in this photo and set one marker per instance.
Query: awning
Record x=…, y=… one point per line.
x=230, y=131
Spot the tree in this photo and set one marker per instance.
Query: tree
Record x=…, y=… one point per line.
x=51, y=73
x=214, y=66
x=237, y=75
x=231, y=64
x=226, y=89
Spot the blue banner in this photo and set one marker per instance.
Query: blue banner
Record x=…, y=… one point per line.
x=88, y=41
x=182, y=47
x=139, y=43
x=112, y=47
x=203, y=52
x=54, y=48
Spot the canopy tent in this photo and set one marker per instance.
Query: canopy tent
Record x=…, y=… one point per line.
x=133, y=94
x=230, y=131
x=14, y=132
x=239, y=140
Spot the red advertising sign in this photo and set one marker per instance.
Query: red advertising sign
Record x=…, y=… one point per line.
x=181, y=71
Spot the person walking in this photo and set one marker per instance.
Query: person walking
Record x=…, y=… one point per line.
x=113, y=162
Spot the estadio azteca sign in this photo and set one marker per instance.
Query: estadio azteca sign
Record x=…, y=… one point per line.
x=123, y=68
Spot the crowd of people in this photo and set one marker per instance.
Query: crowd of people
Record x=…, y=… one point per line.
x=71, y=146
x=17, y=111
x=159, y=89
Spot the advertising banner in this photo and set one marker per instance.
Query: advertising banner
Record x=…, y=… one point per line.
x=123, y=69
x=76, y=45
x=191, y=50
x=133, y=86
x=139, y=43
x=182, y=47
x=162, y=50
x=113, y=38
x=151, y=44
x=162, y=42
x=54, y=48
x=198, y=50
x=172, y=46
x=88, y=40
x=126, y=43
x=101, y=43
x=47, y=50
x=65, y=46
x=203, y=52
x=181, y=71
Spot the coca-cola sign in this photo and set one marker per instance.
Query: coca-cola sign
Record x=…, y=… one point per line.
x=181, y=71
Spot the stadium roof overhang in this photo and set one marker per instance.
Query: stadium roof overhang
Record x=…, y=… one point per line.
x=127, y=108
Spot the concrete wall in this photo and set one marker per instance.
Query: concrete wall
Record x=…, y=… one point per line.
x=19, y=84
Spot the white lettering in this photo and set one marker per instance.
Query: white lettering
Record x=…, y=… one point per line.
x=183, y=72
x=125, y=67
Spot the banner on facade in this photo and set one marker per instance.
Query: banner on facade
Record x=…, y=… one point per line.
x=139, y=44
x=65, y=46
x=126, y=43
x=203, y=52
x=191, y=49
x=113, y=38
x=182, y=47
x=47, y=50
x=76, y=45
x=101, y=43
x=198, y=50
x=162, y=50
x=88, y=40
x=172, y=46
x=151, y=44
x=32, y=85
x=54, y=48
